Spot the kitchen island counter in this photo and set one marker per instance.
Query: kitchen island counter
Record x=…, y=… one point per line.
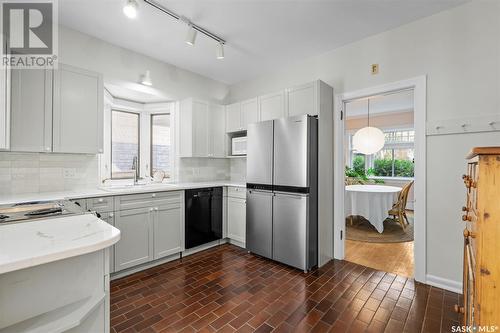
x=41, y=241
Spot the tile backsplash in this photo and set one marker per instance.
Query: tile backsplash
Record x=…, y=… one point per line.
x=238, y=169
x=203, y=169
x=39, y=172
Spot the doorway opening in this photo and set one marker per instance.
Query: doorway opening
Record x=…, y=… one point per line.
x=380, y=174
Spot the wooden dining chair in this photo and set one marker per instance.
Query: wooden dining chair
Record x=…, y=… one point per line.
x=398, y=210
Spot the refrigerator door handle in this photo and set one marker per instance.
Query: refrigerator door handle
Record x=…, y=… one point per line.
x=289, y=194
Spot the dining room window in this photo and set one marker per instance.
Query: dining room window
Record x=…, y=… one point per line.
x=395, y=159
x=161, y=146
x=125, y=143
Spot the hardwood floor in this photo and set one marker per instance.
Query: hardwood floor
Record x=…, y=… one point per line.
x=224, y=289
x=394, y=258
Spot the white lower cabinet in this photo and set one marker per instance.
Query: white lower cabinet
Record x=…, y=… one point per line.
x=167, y=230
x=236, y=215
x=110, y=219
x=150, y=225
x=133, y=247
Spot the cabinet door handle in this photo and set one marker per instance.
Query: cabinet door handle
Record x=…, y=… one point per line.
x=458, y=309
x=47, y=148
x=100, y=200
x=153, y=195
x=156, y=208
x=111, y=215
x=151, y=209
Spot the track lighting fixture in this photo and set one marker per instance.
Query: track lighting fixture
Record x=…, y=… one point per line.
x=130, y=9
x=219, y=51
x=191, y=35
x=146, y=79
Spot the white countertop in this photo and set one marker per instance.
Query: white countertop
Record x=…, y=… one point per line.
x=42, y=241
x=102, y=192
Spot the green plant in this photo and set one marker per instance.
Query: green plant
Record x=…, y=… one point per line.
x=361, y=175
x=402, y=168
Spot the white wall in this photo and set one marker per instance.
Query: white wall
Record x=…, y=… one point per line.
x=459, y=51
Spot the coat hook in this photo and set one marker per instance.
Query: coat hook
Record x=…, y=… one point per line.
x=463, y=126
x=438, y=128
x=491, y=123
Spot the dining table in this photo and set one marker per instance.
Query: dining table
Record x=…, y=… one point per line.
x=373, y=202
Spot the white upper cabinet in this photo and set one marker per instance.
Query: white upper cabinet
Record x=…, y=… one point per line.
x=249, y=112
x=201, y=129
x=78, y=111
x=272, y=106
x=4, y=108
x=216, y=137
x=303, y=99
x=233, y=118
x=31, y=110
x=56, y=110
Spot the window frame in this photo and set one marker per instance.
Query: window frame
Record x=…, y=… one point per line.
x=114, y=109
x=151, y=115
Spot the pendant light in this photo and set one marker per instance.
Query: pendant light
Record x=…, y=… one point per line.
x=368, y=140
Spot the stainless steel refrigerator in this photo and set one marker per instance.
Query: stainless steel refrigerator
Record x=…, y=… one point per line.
x=282, y=187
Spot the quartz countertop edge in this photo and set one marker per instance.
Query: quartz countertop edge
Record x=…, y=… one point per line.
x=28, y=244
x=100, y=192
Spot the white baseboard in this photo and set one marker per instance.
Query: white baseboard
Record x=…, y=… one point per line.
x=237, y=242
x=443, y=283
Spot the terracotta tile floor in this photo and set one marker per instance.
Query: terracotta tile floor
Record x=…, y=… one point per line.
x=394, y=258
x=224, y=289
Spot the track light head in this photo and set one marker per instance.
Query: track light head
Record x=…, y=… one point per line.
x=130, y=9
x=191, y=35
x=146, y=79
x=219, y=49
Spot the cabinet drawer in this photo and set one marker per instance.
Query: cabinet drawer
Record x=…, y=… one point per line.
x=133, y=201
x=101, y=205
x=237, y=192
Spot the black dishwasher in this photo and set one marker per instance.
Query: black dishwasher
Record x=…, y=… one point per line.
x=203, y=216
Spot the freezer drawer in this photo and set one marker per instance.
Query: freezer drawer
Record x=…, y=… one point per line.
x=291, y=230
x=260, y=153
x=259, y=226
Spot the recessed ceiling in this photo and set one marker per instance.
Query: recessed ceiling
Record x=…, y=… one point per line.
x=260, y=35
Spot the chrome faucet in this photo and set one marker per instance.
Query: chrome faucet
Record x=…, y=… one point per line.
x=135, y=167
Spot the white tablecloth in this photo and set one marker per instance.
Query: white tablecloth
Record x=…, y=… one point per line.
x=371, y=201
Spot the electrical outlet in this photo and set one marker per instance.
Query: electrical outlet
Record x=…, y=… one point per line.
x=374, y=69
x=69, y=173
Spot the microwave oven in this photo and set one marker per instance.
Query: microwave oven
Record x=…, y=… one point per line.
x=239, y=146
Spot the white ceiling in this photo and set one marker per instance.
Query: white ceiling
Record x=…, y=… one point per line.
x=381, y=104
x=261, y=35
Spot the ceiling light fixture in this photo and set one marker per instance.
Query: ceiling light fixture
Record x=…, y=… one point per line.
x=190, y=35
x=130, y=9
x=146, y=79
x=368, y=140
x=192, y=30
x=219, y=51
